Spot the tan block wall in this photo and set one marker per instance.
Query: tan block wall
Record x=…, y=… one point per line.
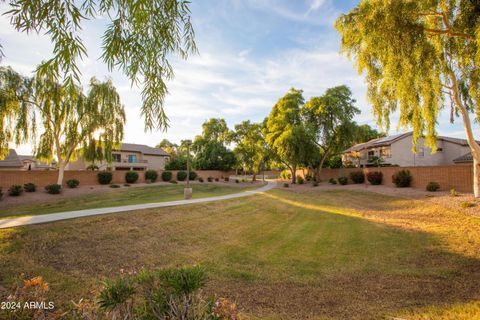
x=459, y=177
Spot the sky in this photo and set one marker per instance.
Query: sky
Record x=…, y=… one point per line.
x=251, y=52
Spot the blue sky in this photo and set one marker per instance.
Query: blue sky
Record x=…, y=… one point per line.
x=250, y=53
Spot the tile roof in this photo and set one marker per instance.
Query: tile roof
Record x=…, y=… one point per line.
x=11, y=160
x=467, y=157
x=143, y=149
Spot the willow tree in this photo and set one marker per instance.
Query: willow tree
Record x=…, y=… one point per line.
x=418, y=55
x=58, y=121
x=138, y=39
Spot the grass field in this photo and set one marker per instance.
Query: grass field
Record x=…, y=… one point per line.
x=120, y=197
x=281, y=255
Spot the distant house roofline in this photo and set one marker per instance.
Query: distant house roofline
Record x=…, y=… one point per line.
x=11, y=160
x=144, y=149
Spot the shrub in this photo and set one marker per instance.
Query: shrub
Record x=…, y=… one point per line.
x=226, y=179
x=216, y=179
x=433, y=186
x=131, y=177
x=29, y=187
x=1, y=194
x=104, y=177
x=454, y=193
x=53, y=188
x=286, y=185
x=308, y=177
x=181, y=175
x=193, y=175
x=173, y=182
x=332, y=181
x=402, y=179
x=357, y=177
x=200, y=179
x=315, y=183
x=375, y=177
x=73, y=183
x=285, y=175
x=151, y=175
x=300, y=180
x=115, y=186
x=15, y=190
x=210, y=179
x=467, y=204
x=342, y=180
x=167, y=175
x=236, y=181
x=126, y=185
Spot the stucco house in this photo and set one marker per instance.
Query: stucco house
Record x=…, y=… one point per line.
x=29, y=162
x=397, y=150
x=11, y=161
x=129, y=156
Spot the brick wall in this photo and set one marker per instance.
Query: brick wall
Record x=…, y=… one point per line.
x=459, y=177
x=43, y=178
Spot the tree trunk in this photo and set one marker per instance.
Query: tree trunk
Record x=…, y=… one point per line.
x=474, y=147
x=61, y=171
x=319, y=169
x=294, y=173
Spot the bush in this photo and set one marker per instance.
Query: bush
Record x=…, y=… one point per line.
x=29, y=187
x=73, y=183
x=104, y=177
x=454, y=193
x=332, y=181
x=375, y=177
x=131, y=177
x=181, y=175
x=402, y=179
x=53, y=188
x=286, y=185
x=285, y=175
x=193, y=175
x=433, y=186
x=167, y=175
x=210, y=179
x=357, y=177
x=200, y=179
x=151, y=175
x=173, y=182
x=1, y=194
x=236, y=181
x=300, y=180
x=308, y=177
x=15, y=190
x=315, y=183
x=216, y=179
x=342, y=180
x=114, y=186
x=226, y=179
x=126, y=185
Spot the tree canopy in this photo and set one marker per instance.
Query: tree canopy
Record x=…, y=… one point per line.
x=250, y=146
x=416, y=55
x=58, y=121
x=139, y=39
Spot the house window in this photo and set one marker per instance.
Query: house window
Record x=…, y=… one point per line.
x=420, y=152
x=371, y=154
x=116, y=157
x=439, y=149
x=132, y=158
x=386, y=153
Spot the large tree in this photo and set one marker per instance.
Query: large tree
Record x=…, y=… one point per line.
x=210, y=148
x=250, y=146
x=417, y=54
x=330, y=116
x=286, y=133
x=138, y=39
x=66, y=120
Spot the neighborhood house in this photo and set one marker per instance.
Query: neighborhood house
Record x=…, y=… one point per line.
x=397, y=150
x=130, y=156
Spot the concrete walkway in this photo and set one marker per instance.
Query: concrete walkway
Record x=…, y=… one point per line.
x=22, y=221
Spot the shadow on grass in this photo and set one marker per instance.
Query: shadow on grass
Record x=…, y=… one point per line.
x=279, y=257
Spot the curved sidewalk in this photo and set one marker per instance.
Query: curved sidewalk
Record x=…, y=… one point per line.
x=22, y=221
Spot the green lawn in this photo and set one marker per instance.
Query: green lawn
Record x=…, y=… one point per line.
x=120, y=197
x=280, y=255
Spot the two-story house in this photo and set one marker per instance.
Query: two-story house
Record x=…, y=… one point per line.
x=397, y=150
x=129, y=156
